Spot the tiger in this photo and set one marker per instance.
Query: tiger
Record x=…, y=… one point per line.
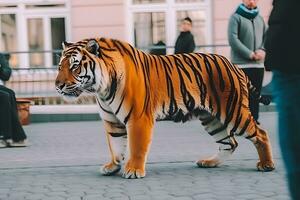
x=134, y=89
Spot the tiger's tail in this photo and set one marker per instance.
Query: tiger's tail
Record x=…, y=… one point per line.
x=254, y=93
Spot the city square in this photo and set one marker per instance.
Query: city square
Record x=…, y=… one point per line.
x=63, y=161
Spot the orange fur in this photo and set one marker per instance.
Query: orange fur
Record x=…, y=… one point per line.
x=134, y=88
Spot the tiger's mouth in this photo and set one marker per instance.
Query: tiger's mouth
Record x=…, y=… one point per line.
x=70, y=93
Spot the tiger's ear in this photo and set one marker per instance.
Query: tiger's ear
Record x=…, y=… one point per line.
x=66, y=44
x=93, y=47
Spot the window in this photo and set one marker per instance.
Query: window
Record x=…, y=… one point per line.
x=36, y=42
x=157, y=22
x=40, y=40
x=58, y=35
x=149, y=29
x=8, y=37
x=36, y=26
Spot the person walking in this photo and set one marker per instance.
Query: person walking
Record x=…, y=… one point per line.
x=185, y=42
x=282, y=54
x=246, y=35
x=11, y=130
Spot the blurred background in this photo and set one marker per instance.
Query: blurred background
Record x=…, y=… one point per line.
x=32, y=32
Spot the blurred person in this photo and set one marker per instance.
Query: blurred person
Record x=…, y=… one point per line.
x=11, y=131
x=185, y=42
x=246, y=34
x=282, y=54
x=159, y=51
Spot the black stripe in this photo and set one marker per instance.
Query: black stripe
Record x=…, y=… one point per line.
x=113, y=86
x=233, y=95
x=207, y=121
x=231, y=106
x=117, y=111
x=115, y=124
x=145, y=69
x=167, y=63
x=239, y=115
x=156, y=64
x=122, y=48
x=128, y=115
x=198, y=76
x=221, y=78
x=173, y=108
x=119, y=47
x=107, y=111
x=200, y=81
x=117, y=134
x=179, y=64
x=197, y=58
x=245, y=125
x=188, y=99
x=232, y=146
x=251, y=136
x=213, y=88
x=134, y=56
x=92, y=67
x=217, y=130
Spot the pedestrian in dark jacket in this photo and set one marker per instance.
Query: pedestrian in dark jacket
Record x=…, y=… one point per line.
x=185, y=42
x=246, y=34
x=11, y=131
x=282, y=57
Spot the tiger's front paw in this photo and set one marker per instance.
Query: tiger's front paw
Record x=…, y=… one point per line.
x=133, y=171
x=110, y=169
x=265, y=166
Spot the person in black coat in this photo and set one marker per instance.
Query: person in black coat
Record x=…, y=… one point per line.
x=159, y=51
x=282, y=57
x=185, y=42
x=11, y=131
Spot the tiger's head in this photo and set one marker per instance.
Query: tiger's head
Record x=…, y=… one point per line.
x=78, y=68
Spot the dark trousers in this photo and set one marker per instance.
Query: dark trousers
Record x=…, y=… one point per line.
x=10, y=126
x=256, y=76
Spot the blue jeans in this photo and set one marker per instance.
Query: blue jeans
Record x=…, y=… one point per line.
x=286, y=90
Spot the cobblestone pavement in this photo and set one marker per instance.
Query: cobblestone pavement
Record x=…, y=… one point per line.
x=63, y=160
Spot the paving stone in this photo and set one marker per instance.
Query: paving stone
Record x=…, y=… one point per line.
x=64, y=158
x=75, y=198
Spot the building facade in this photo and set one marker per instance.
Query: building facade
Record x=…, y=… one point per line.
x=39, y=26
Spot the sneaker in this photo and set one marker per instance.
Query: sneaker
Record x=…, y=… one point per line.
x=3, y=143
x=8, y=142
x=22, y=143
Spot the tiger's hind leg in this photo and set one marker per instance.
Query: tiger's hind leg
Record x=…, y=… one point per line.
x=223, y=137
x=250, y=130
x=117, y=141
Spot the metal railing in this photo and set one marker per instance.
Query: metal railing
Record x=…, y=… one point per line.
x=34, y=83
x=37, y=83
